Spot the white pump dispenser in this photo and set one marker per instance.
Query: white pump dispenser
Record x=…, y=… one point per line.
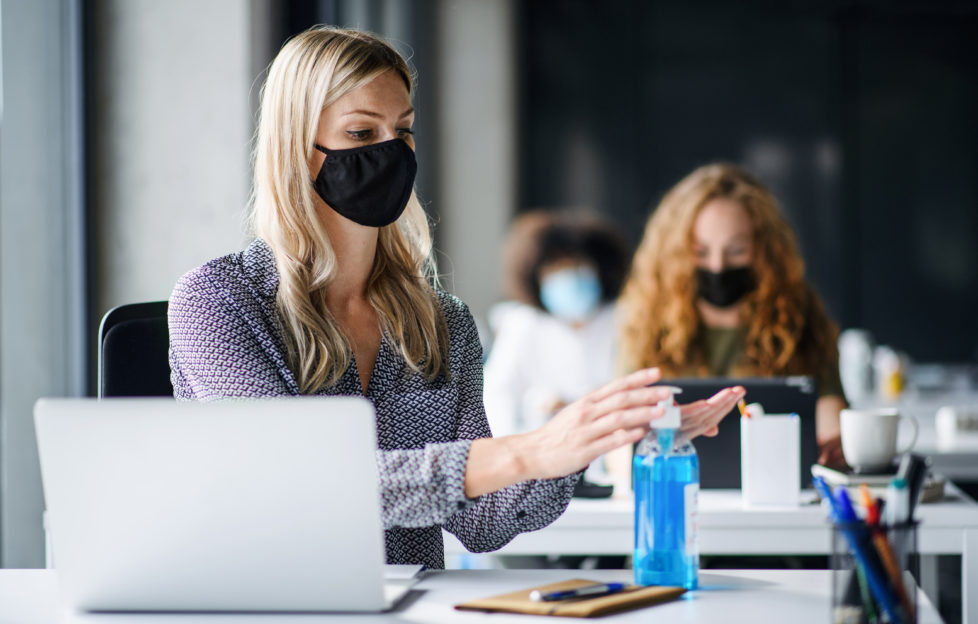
x=666, y=426
x=670, y=417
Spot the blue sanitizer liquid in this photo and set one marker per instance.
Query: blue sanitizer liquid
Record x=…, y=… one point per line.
x=666, y=487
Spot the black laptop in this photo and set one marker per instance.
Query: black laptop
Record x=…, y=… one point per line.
x=720, y=456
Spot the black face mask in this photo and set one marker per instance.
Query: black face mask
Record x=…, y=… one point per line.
x=725, y=288
x=369, y=185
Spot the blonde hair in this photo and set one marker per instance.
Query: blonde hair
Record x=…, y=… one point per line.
x=313, y=70
x=788, y=330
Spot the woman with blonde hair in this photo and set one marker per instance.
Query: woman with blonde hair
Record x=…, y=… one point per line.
x=717, y=288
x=337, y=296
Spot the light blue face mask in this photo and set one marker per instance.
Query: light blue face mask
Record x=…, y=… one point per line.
x=571, y=294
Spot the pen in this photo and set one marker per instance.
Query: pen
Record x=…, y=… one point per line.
x=864, y=593
x=845, y=509
x=883, y=548
x=897, y=502
x=599, y=589
x=866, y=500
x=913, y=469
x=898, y=518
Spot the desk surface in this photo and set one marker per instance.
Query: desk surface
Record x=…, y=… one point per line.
x=730, y=596
x=606, y=526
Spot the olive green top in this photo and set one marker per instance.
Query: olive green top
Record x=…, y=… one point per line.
x=724, y=348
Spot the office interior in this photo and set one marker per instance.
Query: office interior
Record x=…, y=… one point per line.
x=126, y=129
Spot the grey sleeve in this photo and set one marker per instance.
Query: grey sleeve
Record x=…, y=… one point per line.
x=422, y=487
x=214, y=352
x=492, y=520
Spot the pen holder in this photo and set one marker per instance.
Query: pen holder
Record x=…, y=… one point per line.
x=874, y=573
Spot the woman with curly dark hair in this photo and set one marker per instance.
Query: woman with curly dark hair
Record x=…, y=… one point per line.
x=717, y=288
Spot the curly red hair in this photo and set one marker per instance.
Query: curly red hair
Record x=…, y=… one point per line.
x=788, y=329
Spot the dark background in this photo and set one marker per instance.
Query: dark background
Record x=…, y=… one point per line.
x=862, y=117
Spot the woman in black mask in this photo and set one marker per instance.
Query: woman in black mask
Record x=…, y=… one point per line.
x=717, y=288
x=338, y=295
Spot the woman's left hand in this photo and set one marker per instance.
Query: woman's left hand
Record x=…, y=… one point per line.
x=703, y=417
x=830, y=453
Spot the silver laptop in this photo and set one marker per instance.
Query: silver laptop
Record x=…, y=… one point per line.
x=269, y=505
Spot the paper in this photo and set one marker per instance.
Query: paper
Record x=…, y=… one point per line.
x=401, y=571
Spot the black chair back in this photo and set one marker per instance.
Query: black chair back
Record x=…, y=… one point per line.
x=133, y=355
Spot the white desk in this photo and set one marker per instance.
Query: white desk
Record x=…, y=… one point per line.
x=733, y=597
x=726, y=528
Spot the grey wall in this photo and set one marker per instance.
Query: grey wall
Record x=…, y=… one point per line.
x=476, y=167
x=41, y=310
x=172, y=137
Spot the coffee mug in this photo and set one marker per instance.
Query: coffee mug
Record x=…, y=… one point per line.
x=869, y=438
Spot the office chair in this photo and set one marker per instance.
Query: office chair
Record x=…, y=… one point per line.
x=133, y=350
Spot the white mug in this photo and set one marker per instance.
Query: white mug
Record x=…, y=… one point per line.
x=869, y=438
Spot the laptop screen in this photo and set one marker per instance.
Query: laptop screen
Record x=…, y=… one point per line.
x=719, y=457
x=262, y=505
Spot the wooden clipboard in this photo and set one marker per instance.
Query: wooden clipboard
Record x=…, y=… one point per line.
x=632, y=597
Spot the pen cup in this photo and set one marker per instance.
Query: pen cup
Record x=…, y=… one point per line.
x=874, y=573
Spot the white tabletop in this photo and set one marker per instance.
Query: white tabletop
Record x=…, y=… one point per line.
x=730, y=596
x=606, y=526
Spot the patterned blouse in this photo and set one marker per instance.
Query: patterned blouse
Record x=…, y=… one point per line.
x=226, y=341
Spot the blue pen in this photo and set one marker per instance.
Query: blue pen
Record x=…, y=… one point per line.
x=847, y=511
x=845, y=515
x=599, y=589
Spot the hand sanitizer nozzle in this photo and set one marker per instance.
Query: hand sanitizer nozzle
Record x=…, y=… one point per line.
x=670, y=418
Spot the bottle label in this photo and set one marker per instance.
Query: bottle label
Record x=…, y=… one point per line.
x=691, y=493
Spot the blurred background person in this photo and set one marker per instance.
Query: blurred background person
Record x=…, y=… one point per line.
x=555, y=333
x=718, y=288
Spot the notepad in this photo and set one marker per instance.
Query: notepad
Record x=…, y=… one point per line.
x=632, y=597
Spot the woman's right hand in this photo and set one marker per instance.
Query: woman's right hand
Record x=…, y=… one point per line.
x=616, y=414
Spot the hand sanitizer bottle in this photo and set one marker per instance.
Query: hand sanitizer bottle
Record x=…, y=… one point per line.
x=666, y=480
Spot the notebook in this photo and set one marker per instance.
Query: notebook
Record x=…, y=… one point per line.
x=719, y=457
x=267, y=505
x=931, y=490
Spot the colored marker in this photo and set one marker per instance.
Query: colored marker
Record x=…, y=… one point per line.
x=742, y=406
x=883, y=548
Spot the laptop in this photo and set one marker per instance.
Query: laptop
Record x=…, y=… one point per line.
x=719, y=457
x=263, y=505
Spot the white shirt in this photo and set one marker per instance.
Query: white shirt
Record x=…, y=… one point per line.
x=537, y=359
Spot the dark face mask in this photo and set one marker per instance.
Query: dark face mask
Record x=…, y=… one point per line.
x=368, y=185
x=725, y=288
